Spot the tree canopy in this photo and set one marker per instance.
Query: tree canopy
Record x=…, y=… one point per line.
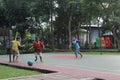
x=58, y=19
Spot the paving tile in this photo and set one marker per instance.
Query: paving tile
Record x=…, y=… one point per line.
x=59, y=76
x=43, y=78
x=64, y=73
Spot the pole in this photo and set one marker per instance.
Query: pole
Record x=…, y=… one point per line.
x=51, y=16
x=99, y=30
x=9, y=45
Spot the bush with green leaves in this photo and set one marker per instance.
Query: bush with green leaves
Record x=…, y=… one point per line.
x=47, y=50
x=27, y=49
x=2, y=51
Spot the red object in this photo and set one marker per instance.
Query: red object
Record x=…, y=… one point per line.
x=37, y=46
x=107, y=40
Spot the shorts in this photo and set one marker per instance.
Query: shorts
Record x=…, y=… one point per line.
x=15, y=52
x=40, y=54
x=77, y=51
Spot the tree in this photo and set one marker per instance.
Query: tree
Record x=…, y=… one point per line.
x=67, y=20
x=3, y=19
x=16, y=12
x=42, y=12
x=114, y=21
x=92, y=11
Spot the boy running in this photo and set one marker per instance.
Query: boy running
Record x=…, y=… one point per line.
x=76, y=45
x=38, y=46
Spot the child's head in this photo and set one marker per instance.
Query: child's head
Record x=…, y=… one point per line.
x=18, y=39
x=37, y=39
x=73, y=38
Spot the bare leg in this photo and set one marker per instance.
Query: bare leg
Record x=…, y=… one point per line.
x=75, y=52
x=81, y=55
x=41, y=58
x=17, y=58
x=76, y=55
x=13, y=57
x=35, y=58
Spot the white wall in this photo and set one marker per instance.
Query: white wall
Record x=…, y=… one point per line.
x=83, y=34
x=94, y=34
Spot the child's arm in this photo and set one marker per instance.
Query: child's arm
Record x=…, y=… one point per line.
x=42, y=45
x=30, y=47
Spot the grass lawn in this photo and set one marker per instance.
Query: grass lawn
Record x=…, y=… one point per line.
x=10, y=72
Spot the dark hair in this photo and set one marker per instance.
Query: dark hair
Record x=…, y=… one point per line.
x=17, y=38
x=37, y=38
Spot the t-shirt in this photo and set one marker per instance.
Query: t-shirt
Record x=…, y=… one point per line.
x=7, y=44
x=15, y=45
x=76, y=44
x=37, y=46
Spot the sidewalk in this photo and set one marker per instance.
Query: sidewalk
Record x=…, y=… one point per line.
x=53, y=76
x=58, y=73
x=65, y=72
x=62, y=73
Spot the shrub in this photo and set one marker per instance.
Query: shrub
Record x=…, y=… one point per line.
x=27, y=50
x=2, y=51
x=47, y=50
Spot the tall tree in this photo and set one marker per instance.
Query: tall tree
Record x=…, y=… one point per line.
x=43, y=12
x=17, y=12
x=113, y=20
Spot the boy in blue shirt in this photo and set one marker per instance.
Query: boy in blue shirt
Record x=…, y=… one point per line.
x=76, y=44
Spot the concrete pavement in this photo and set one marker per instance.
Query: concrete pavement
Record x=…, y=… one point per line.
x=90, y=66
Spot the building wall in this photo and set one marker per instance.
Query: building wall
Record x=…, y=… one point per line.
x=94, y=34
x=82, y=36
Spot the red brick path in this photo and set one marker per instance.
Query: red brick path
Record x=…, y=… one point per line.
x=63, y=73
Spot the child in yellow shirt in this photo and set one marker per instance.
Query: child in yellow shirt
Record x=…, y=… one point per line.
x=15, y=44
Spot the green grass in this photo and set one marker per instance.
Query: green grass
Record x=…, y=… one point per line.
x=10, y=72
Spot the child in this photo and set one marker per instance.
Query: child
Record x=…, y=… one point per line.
x=15, y=44
x=38, y=46
x=76, y=45
x=8, y=46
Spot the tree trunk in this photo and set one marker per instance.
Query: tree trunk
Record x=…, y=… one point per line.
x=116, y=32
x=69, y=30
x=87, y=37
x=90, y=47
x=118, y=45
x=78, y=30
x=52, y=31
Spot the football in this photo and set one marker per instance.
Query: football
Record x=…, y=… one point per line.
x=30, y=62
